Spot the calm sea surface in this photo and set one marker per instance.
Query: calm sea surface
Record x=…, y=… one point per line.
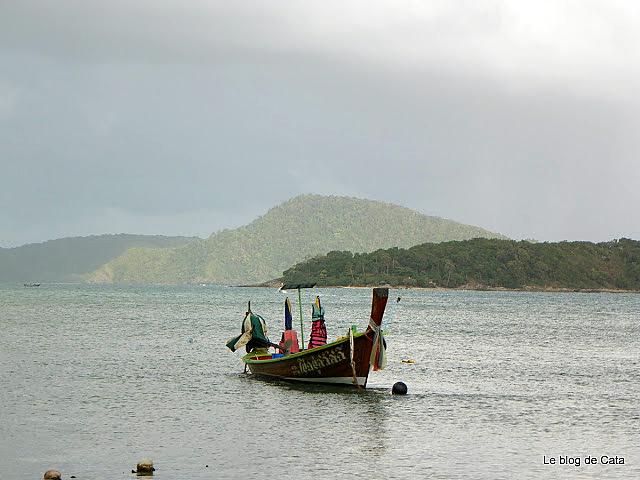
x=94, y=378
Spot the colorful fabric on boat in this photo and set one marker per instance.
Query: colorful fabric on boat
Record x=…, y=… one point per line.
x=288, y=319
x=253, y=334
x=378, y=359
x=317, y=310
x=318, y=334
x=318, y=327
x=289, y=342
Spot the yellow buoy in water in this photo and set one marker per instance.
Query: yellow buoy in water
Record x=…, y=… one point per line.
x=408, y=360
x=144, y=467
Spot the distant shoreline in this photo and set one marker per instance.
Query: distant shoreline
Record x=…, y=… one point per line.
x=479, y=288
x=500, y=289
x=465, y=288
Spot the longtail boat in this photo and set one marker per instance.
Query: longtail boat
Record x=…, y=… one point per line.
x=346, y=361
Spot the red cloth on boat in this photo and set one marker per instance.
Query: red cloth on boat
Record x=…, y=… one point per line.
x=318, y=334
x=291, y=337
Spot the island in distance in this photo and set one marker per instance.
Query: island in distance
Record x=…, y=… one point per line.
x=300, y=228
x=71, y=259
x=334, y=241
x=483, y=264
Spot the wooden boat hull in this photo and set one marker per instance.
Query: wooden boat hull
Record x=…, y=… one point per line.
x=329, y=363
x=337, y=363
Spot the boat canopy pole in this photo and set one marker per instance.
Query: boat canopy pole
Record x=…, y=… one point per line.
x=301, y=323
x=299, y=287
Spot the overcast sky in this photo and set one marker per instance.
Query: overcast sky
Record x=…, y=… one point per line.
x=185, y=117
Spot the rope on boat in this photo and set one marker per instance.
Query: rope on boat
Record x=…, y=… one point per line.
x=353, y=364
x=378, y=358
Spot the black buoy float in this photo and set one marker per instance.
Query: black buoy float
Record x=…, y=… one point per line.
x=399, y=388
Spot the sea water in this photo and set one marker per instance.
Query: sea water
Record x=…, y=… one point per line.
x=504, y=385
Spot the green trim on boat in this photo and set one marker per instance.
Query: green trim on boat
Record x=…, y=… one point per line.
x=247, y=358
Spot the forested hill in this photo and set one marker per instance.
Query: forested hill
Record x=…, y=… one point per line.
x=69, y=259
x=482, y=263
x=300, y=228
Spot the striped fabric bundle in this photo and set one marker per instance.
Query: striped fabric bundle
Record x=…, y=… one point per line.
x=318, y=334
x=318, y=328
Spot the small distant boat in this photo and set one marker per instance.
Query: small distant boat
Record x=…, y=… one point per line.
x=31, y=284
x=347, y=361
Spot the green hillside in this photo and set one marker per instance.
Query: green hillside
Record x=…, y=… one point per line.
x=482, y=263
x=300, y=228
x=69, y=259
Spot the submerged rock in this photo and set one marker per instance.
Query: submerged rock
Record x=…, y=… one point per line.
x=52, y=475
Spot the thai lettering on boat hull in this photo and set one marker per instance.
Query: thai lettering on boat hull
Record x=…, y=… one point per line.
x=320, y=360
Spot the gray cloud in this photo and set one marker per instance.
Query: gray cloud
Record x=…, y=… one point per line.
x=184, y=118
